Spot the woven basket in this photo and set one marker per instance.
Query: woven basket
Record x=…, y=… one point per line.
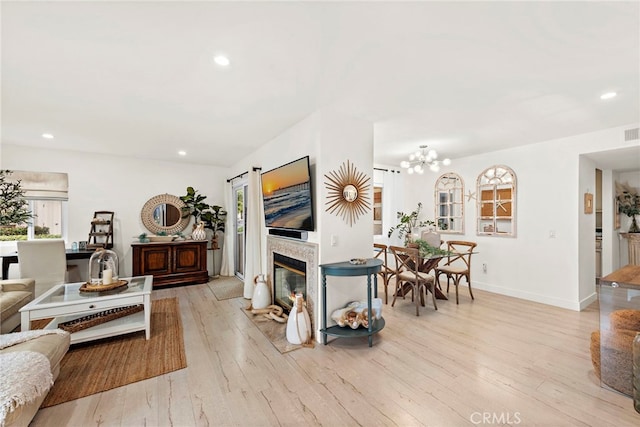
x=98, y=318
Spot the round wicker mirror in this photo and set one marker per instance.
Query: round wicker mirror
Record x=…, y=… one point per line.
x=163, y=213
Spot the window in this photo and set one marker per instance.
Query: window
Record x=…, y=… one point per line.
x=47, y=221
x=47, y=195
x=240, y=190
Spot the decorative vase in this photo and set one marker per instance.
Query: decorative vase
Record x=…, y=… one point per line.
x=636, y=372
x=634, y=226
x=261, y=295
x=299, y=323
x=199, y=233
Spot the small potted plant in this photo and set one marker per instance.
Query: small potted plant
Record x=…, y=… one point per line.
x=408, y=222
x=214, y=219
x=629, y=204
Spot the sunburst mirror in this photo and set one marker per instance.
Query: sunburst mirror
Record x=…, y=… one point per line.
x=348, y=194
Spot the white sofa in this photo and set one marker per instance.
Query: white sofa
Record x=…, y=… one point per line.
x=53, y=346
x=14, y=294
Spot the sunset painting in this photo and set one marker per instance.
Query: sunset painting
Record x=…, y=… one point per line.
x=287, y=196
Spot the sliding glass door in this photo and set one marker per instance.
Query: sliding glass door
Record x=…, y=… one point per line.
x=239, y=194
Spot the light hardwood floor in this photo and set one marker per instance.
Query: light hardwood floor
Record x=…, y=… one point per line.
x=502, y=360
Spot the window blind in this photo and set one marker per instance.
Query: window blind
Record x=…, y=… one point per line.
x=43, y=185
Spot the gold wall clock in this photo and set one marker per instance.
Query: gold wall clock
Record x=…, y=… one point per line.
x=348, y=193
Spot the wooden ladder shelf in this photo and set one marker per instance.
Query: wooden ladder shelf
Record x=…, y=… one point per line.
x=101, y=233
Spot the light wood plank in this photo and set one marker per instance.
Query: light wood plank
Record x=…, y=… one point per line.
x=496, y=354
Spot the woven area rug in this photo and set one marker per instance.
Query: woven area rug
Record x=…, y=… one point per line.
x=227, y=287
x=97, y=366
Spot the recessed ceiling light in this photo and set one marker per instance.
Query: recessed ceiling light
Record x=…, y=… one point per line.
x=221, y=60
x=182, y=153
x=47, y=136
x=608, y=95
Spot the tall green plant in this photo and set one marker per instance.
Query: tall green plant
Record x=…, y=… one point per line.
x=213, y=216
x=13, y=206
x=408, y=222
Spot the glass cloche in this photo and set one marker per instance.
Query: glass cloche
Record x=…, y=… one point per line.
x=103, y=267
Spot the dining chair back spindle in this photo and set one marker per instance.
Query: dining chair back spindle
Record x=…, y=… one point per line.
x=409, y=277
x=458, y=264
x=380, y=252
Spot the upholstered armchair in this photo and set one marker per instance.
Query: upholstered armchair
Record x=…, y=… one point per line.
x=14, y=294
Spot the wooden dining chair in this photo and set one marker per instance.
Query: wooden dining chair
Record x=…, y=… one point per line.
x=408, y=275
x=387, y=272
x=458, y=264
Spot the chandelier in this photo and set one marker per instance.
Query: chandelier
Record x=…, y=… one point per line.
x=423, y=158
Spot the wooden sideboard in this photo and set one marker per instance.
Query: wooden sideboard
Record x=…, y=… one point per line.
x=172, y=263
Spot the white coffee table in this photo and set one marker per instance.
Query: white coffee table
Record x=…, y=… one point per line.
x=65, y=302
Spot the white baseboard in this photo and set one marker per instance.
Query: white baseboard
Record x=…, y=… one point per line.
x=530, y=296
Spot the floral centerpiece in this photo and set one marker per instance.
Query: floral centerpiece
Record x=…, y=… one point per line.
x=629, y=204
x=408, y=222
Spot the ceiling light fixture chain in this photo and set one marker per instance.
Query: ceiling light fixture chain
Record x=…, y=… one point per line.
x=421, y=158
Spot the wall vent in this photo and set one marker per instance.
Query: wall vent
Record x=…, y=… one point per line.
x=632, y=134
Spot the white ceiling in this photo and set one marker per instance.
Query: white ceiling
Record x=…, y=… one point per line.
x=137, y=79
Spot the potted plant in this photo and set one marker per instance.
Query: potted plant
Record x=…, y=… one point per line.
x=408, y=222
x=212, y=216
x=194, y=205
x=629, y=204
x=14, y=209
x=214, y=219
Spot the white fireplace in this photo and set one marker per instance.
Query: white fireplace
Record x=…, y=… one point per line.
x=304, y=252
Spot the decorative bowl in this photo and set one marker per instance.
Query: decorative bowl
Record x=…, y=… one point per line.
x=358, y=261
x=161, y=238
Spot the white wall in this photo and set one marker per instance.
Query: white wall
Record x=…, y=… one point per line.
x=551, y=185
x=586, y=230
x=330, y=139
x=118, y=184
x=610, y=253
